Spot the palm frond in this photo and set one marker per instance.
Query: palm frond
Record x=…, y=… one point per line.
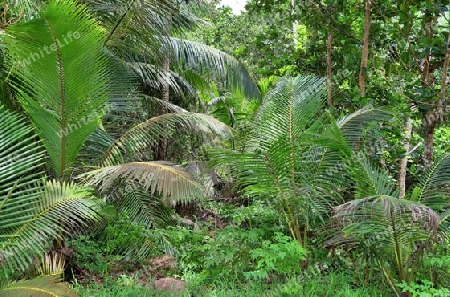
x=203, y=58
x=287, y=109
x=326, y=134
x=51, y=263
x=151, y=131
x=385, y=221
x=21, y=162
x=43, y=286
x=153, y=77
x=434, y=189
x=370, y=180
x=141, y=207
x=146, y=20
x=95, y=146
x=155, y=177
x=60, y=75
x=28, y=229
x=352, y=126
x=279, y=163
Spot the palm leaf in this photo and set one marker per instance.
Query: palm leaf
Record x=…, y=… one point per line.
x=352, y=126
x=153, y=77
x=21, y=161
x=434, y=187
x=27, y=231
x=370, y=180
x=287, y=109
x=387, y=225
x=43, y=286
x=151, y=131
x=141, y=207
x=203, y=58
x=155, y=177
x=278, y=163
x=60, y=76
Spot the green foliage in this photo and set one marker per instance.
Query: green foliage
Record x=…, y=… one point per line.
x=214, y=257
x=121, y=241
x=34, y=212
x=423, y=289
x=123, y=287
x=236, y=254
x=295, y=159
x=90, y=254
x=60, y=76
x=340, y=284
x=381, y=224
x=148, y=133
x=271, y=152
x=58, y=210
x=282, y=256
x=43, y=286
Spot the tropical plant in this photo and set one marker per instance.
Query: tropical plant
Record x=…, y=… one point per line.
x=141, y=34
x=48, y=73
x=50, y=286
x=381, y=224
x=34, y=212
x=295, y=157
x=134, y=183
x=60, y=76
x=270, y=166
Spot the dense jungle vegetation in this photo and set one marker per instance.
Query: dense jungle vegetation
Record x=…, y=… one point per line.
x=174, y=148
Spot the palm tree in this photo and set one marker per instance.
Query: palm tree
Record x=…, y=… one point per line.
x=295, y=156
x=380, y=223
x=33, y=211
x=65, y=89
x=140, y=35
x=60, y=77
x=78, y=110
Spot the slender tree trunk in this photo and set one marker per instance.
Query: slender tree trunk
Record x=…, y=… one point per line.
x=404, y=160
x=429, y=116
x=444, y=76
x=329, y=69
x=294, y=22
x=365, y=50
x=430, y=125
x=165, y=96
x=165, y=89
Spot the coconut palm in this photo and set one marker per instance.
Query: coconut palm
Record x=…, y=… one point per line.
x=140, y=33
x=64, y=82
x=60, y=77
x=289, y=157
x=380, y=224
x=34, y=212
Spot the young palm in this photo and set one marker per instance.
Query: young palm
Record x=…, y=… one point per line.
x=381, y=224
x=34, y=212
x=296, y=157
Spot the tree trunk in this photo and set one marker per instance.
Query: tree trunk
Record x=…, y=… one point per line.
x=428, y=116
x=161, y=152
x=294, y=23
x=430, y=125
x=365, y=50
x=404, y=160
x=165, y=89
